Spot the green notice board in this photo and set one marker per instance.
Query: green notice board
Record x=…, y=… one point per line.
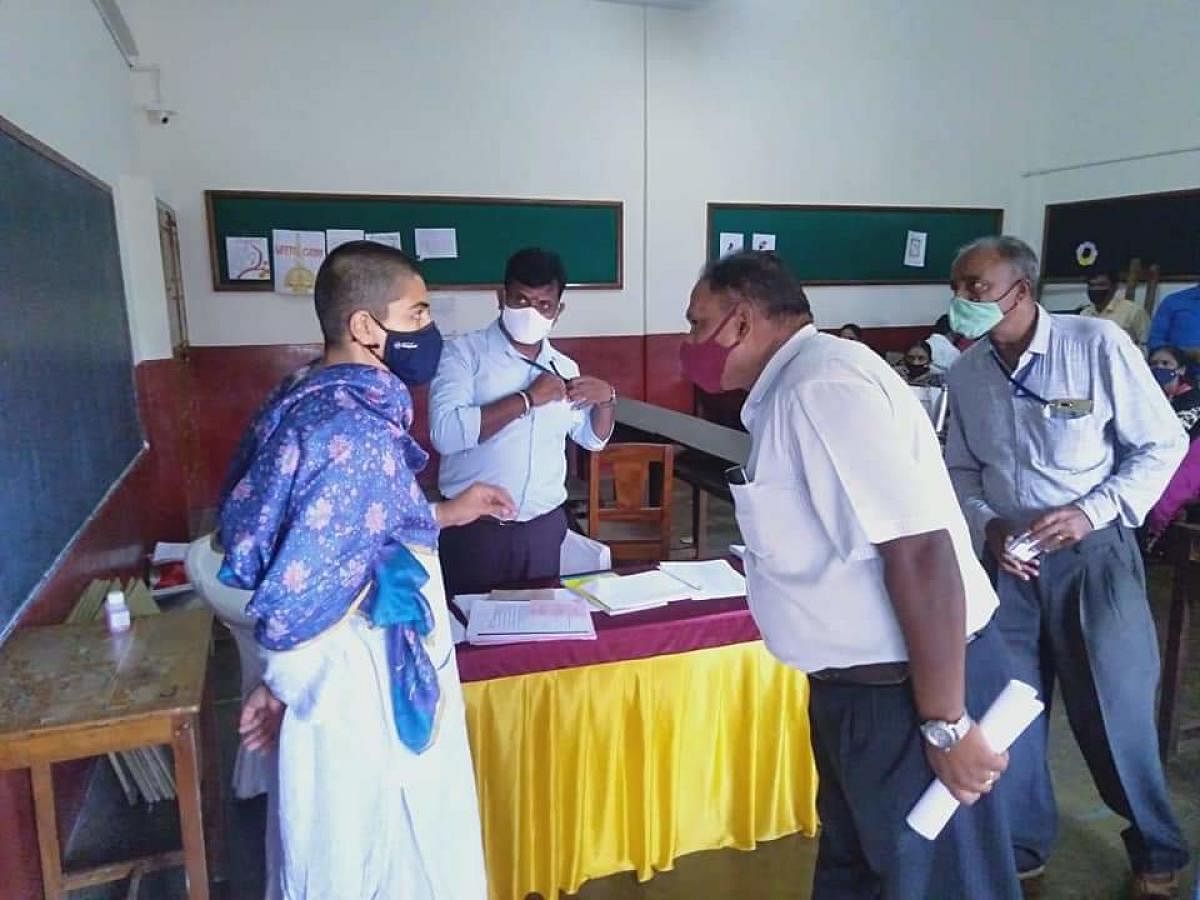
x=854, y=244
x=587, y=234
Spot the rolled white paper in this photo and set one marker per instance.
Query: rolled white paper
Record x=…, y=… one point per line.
x=1009, y=715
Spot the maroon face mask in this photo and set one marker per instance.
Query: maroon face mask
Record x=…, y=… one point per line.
x=703, y=363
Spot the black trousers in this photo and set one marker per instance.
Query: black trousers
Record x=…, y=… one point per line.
x=489, y=554
x=872, y=768
x=1085, y=623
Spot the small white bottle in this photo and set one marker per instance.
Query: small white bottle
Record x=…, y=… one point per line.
x=116, y=613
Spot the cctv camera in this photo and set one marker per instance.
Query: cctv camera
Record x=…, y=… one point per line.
x=160, y=116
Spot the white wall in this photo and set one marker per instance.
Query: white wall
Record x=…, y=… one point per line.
x=476, y=97
x=65, y=83
x=1111, y=86
x=828, y=102
x=890, y=102
x=747, y=100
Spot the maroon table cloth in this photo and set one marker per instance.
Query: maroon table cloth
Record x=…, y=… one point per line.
x=675, y=628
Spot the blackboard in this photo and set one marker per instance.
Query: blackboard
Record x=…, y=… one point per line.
x=1162, y=229
x=587, y=234
x=70, y=424
x=855, y=244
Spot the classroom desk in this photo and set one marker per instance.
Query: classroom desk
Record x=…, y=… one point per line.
x=674, y=731
x=690, y=431
x=74, y=691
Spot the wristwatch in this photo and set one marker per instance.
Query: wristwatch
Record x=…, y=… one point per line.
x=611, y=401
x=945, y=735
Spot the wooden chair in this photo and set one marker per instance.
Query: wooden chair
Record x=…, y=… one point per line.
x=637, y=525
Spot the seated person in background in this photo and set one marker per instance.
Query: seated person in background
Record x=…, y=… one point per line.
x=1176, y=323
x=501, y=407
x=1184, y=488
x=917, y=369
x=942, y=350
x=1169, y=365
x=1130, y=317
x=324, y=521
x=851, y=332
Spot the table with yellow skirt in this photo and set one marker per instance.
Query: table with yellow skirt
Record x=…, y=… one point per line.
x=675, y=731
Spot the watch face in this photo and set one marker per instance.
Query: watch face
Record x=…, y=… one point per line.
x=939, y=735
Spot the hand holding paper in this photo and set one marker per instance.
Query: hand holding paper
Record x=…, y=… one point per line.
x=1009, y=715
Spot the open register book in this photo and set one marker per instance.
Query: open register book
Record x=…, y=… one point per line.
x=512, y=617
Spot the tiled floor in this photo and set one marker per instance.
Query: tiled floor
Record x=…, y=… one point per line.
x=1089, y=863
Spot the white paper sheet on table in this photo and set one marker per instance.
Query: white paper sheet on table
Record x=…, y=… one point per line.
x=712, y=579
x=1009, y=715
x=561, y=616
x=165, y=552
x=631, y=593
x=463, y=603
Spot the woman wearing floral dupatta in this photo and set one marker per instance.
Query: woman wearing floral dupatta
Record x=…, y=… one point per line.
x=323, y=520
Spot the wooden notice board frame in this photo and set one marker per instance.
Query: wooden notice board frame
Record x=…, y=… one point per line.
x=920, y=218
x=575, y=222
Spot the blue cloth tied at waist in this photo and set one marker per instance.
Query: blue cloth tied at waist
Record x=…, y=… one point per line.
x=398, y=604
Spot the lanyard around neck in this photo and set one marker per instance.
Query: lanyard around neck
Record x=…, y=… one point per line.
x=1018, y=384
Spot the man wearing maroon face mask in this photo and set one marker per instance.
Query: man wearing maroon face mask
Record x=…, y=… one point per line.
x=860, y=573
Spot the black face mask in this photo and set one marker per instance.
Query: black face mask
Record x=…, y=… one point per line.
x=1098, y=297
x=916, y=371
x=412, y=356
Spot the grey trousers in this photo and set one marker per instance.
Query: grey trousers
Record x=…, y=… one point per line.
x=872, y=768
x=1085, y=622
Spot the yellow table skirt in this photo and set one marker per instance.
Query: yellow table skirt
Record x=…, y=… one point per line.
x=588, y=771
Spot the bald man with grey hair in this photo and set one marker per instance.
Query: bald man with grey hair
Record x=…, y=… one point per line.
x=1061, y=439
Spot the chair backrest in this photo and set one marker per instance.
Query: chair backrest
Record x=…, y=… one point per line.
x=641, y=500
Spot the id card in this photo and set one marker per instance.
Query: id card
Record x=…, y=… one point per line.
x=1068, y=409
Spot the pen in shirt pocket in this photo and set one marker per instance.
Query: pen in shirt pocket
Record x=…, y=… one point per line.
x=553, y=370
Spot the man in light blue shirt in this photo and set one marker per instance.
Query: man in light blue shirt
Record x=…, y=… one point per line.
x=1176, y=323
x=1061, y=441
x=503, y=402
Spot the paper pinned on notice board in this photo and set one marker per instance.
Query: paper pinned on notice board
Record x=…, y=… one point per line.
x=335, y=237
x=914, y=249
x=387, y=238
x=731, y=242
x=298, y=256
x=436, y=243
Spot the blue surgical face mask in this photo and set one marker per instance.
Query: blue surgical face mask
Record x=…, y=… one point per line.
x=1164, y=375
x=412, y=356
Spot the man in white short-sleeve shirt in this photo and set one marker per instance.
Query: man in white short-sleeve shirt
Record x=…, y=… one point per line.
x=860, y=573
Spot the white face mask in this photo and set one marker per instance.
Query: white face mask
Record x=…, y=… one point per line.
x=525, y=325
